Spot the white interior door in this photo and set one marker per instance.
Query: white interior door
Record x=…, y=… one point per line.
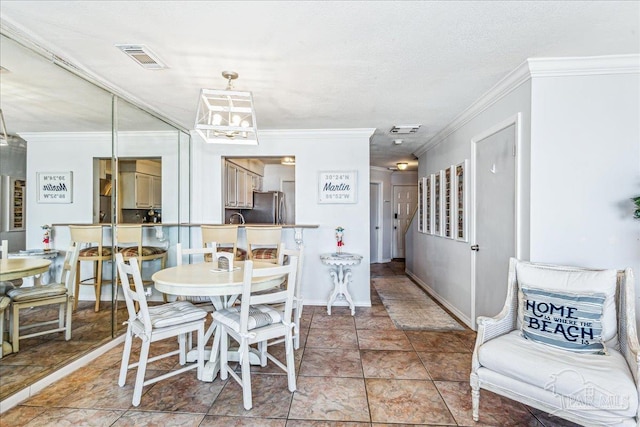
x=494, y=237
x=405, y=199
x=374, y=232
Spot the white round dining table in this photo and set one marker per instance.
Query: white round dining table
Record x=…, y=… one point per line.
x=222, y=287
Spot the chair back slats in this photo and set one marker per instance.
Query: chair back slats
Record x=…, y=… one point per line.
x=226, y=234
x=181, y=252
x=133, y=292
x=286, y=296
x=87, y=235
x=264, y=237
x=129, y=234
x=4, y=249
x=68, y=276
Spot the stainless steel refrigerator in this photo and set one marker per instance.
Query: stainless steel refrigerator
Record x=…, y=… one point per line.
x=12, y=211
x=268, y=208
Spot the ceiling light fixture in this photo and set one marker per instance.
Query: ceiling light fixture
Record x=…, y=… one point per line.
x=289, y=161
x=404, y=129
x=226, y=116
x=402, y=165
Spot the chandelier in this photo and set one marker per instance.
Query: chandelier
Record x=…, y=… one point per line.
x=226, y=116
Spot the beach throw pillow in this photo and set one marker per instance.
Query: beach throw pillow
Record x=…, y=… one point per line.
x=564, y=320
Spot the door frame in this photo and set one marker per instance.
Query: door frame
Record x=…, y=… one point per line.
x=515, y=120
x=394, y=229
x=379, y=215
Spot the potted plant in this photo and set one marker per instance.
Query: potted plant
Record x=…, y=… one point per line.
x=636, y=213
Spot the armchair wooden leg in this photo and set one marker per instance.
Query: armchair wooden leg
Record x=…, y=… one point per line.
x=475, y=397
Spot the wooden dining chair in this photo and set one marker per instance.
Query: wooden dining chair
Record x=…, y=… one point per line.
x=154, y=323
x=257, y=321
x=263, y=243
x=89, y=238
x=225, y=236
x=130, y=245
x=60, y=294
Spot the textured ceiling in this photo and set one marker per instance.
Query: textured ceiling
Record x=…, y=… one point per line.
x=319, y=65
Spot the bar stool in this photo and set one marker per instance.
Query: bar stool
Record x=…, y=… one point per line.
x=226, y=238
x=89, y=239
x=131, y=234
x=263, y=243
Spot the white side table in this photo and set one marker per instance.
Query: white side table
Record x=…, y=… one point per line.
x=341, y=276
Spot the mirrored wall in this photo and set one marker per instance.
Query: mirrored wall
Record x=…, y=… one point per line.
x=120, y=165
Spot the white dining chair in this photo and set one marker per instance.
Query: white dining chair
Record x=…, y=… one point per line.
x=154, y=323
x=35, y=296
x=257, y=321
x=4, y=249
x=298, y=304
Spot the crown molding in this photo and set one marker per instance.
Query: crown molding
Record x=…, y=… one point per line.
x=537, y=68
x=584, y=66
x=355, y=133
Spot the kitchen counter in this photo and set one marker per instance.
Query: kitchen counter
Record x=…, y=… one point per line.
x=189, y=224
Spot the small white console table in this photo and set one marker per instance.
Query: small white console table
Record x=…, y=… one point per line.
x=341, y=276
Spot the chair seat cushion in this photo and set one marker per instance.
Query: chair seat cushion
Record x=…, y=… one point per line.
x=259, y=316
x=265, y=253
x=6, y=287
x=132, y=251
x=601, y=382
x=36, y=292
x=93, y=251
x=174, y=313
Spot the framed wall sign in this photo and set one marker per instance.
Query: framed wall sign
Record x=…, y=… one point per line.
x=55, y=187
x=461, y=200
x=448, y=203
x=437, y=203
x=338, y=187
x=421, y=204
x=428, y=193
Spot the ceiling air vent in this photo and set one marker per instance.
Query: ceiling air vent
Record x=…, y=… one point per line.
x=404, y=129
x=143, y=56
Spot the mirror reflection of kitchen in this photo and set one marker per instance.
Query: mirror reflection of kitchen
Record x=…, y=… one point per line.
x=259, y=190
x=139, y=195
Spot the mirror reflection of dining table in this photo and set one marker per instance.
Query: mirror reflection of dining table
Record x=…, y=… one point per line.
x=221, y=287
x=18, y=268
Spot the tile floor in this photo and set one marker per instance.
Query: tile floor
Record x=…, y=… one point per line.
x=351, y=371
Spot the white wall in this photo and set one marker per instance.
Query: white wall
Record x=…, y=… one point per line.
x=585, y=160
x=315, y=151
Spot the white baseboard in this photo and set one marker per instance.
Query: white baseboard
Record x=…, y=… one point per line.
x=26, y=393
x=461, y=316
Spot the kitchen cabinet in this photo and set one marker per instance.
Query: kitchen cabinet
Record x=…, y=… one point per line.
x=231, y=194
x=239, y=186
x=140, y=191
x=156, y=192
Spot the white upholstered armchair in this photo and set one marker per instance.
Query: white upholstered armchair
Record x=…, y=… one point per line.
x=536, y=350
